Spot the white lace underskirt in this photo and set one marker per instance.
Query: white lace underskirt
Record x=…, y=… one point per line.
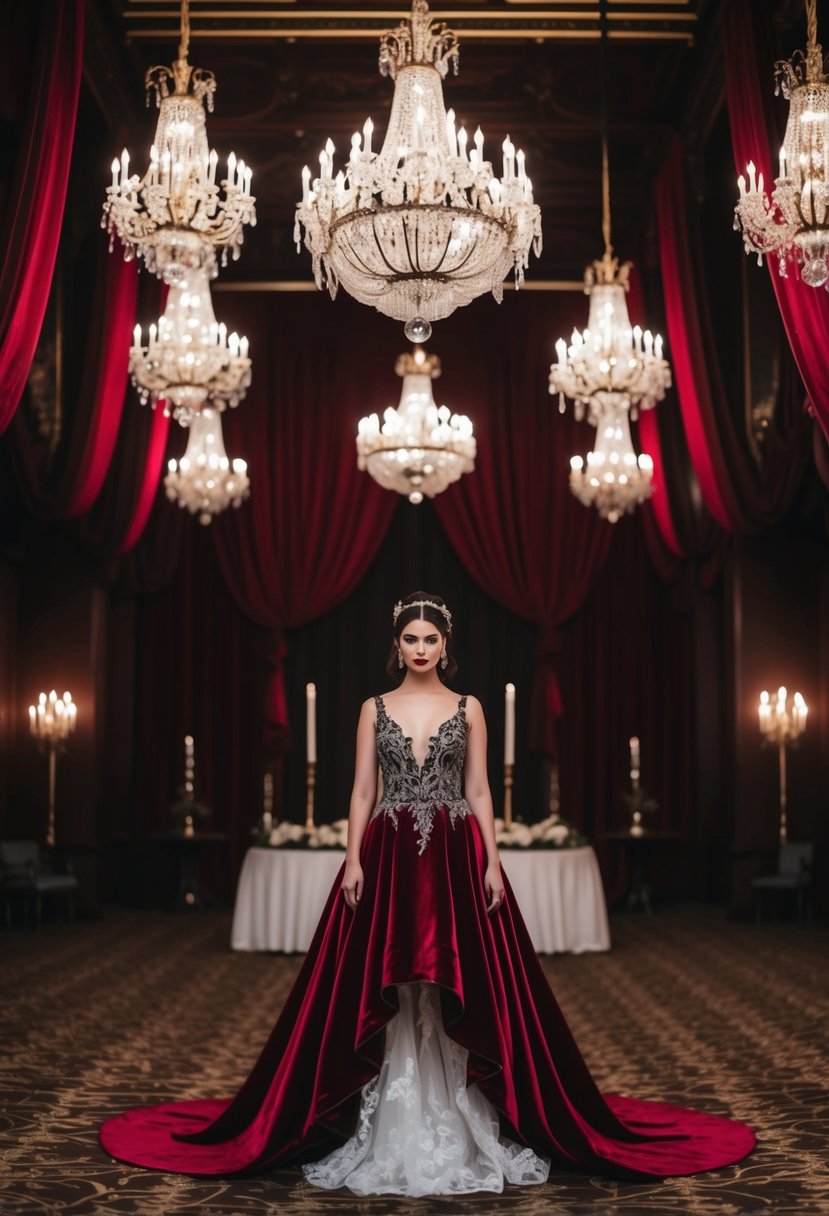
x=421, y=1131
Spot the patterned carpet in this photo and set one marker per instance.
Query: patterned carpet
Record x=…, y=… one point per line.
x=143, y=1007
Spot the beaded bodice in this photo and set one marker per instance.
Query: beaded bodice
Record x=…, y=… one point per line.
x=426, y=790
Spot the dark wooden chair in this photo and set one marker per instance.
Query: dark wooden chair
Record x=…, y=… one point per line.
x=23, y=872
x=794, y=873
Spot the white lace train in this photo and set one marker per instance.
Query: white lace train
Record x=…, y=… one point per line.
x=421, y=1131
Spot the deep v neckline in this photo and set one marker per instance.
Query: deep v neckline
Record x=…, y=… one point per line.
x=432, y=738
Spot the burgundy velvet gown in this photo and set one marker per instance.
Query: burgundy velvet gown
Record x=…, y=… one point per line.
x=422, y=920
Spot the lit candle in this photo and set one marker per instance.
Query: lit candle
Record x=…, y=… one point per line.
x=479, y=144
x=462, y=143
x=306, y=184
x=450, y=133
x=368, y=128
x=115, y=167
x=752, y=177
x=136, y=336
x=311, y=723
x=509, y=724
x=33, y=719
x=212, y=162
x=765, y=712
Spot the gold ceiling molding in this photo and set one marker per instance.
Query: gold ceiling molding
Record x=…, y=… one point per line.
x=302, y=285
x=540, y=20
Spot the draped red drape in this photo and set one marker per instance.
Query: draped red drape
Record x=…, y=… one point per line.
x=804, y=310
x=514, y=524
x=314, y=522
x=37, y=196
x=739, y=496
x=66, y=485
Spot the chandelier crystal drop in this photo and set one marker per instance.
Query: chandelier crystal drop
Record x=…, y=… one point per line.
x=423, y=226
x=615, y=480
x=793, y=223
x=175, y=216
x=189, y=359
x=611, y=360
x=205, y=481
x=418, y=449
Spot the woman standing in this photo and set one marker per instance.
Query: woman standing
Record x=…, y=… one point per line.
x=421, y=1050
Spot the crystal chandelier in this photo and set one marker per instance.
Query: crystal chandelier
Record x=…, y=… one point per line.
x=794, y=222
x=189, y=359
x=175, y=217
x=204, y=480
x=419, y=449
x=615, y=480
x=612, y=363
x=423, y=226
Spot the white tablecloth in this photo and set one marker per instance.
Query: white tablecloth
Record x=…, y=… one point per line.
x=281, y=894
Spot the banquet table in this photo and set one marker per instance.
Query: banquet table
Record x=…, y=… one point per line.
x=281, y=894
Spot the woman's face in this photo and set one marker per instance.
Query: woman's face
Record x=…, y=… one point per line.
x=421, y=645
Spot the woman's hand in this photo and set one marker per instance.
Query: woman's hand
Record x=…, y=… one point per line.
x=352, y=884
x=494, y=886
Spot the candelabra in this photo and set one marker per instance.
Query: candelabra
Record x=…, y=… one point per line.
x=420, y=228
x=779, y=727
x=793, y=223
x=51, y=722
x=190, y=361
x=615, y=480
x=419, y=449
x=204, y=480
x=175, y=217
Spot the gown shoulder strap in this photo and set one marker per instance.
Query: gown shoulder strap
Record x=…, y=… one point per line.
x=462, y=706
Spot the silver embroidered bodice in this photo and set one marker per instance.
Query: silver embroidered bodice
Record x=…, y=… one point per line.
x=422, y=791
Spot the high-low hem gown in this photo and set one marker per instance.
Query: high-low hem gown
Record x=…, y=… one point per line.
x=421, y=1049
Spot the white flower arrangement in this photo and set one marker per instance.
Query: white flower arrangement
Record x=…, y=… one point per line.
x=551, y=833
x=296, y=836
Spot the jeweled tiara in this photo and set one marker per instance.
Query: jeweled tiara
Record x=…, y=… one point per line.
x=401, y=607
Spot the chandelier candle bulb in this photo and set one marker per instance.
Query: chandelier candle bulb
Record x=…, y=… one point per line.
x=368, y=129
x=462, y=138
x=509, y=724
x=311, y=723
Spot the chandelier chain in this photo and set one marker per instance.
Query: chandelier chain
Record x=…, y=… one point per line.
x=811, y=23
x=184, y=37
x=606, y=216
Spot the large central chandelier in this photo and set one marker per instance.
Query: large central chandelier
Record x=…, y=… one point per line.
x=419, y=449
x=205, y=481
x=423, y=226
x=189, y=359
x=175, y=216
x=615, y=480
x=794, y=222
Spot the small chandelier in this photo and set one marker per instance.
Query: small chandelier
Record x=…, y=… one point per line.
x=794, y=222
x=615, y=480
x=205, y=481
x=611, y=363
x=174, y=217
x=189, y=358
x=424, y=226
x=419, y=449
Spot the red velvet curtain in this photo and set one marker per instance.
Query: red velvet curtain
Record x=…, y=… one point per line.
x=739, y=496
x=314, y=522
x=67, y=485
x=35, y=201
x=514, y=523
x=748, y=78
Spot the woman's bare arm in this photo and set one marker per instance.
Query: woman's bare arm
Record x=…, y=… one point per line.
x=476, y=788
x=363, y=798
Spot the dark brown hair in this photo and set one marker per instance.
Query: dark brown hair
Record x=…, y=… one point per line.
x=435, y=617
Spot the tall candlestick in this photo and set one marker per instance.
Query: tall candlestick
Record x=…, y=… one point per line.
x=634, y=762
x=509, y=725
x=311, y=723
